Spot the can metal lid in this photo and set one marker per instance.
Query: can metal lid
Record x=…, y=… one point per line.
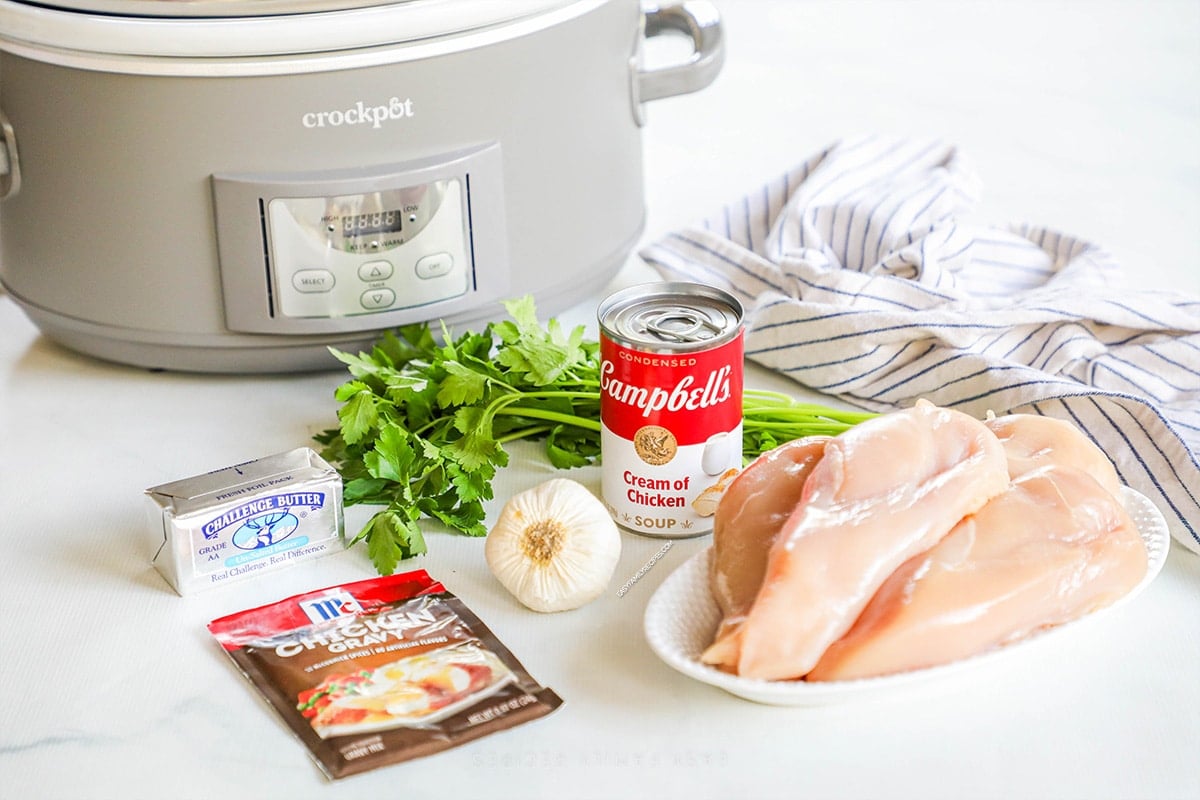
x=671, y=316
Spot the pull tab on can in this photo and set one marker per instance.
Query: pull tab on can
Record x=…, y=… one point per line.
x=682, y=325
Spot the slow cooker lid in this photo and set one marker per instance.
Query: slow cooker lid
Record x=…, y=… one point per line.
x=106, y=34
x=208, y=8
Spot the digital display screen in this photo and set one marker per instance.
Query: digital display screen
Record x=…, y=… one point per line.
x=372, y=223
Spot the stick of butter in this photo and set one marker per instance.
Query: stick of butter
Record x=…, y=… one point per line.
x=246, y=520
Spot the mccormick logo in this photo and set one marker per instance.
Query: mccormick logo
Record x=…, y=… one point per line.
x=339, y=603
x=359, y=114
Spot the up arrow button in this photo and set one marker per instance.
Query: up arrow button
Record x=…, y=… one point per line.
x=375, y=271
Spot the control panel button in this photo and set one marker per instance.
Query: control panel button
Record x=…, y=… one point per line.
x=435, y=266
x=375, y=299
x=375, y=271
x=312, y=281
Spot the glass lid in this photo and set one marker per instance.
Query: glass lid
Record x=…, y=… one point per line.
x=208, y=8
x=80, y=31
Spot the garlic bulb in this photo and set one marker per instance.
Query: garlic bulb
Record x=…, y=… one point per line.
x=554, y=547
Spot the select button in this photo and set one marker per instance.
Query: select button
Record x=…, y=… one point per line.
x=435, y=266
x=312, y=281
x=375, y=299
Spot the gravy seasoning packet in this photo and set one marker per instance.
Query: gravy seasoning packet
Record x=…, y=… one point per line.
x=381, y=671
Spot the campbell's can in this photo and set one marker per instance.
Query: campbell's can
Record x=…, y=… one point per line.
x=671, y=359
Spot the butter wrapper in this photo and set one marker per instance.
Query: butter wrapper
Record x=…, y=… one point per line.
x=246, y=520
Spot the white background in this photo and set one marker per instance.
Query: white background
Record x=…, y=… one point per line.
x=1084, y=116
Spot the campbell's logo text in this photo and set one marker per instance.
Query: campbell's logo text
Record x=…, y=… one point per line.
x=687, y=394
x=692, y=395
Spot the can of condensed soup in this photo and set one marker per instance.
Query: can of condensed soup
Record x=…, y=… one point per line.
x=670, y=405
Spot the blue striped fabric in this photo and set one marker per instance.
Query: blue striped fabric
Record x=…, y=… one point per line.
x=863, y=277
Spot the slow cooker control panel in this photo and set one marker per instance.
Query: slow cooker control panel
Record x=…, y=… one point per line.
x=361, y=249
x=369, y=253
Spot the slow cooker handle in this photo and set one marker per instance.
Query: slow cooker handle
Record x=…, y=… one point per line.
x=699, y=20
x=10, y=168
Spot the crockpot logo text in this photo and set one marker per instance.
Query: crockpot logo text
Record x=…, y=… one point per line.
x=359, y=114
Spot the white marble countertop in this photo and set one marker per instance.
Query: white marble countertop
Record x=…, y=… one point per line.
x=1082, y=116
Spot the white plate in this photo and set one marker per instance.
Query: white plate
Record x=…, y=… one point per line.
x=682, y=617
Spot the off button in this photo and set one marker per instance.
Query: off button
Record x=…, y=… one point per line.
x=435, y=266
x=375, y=299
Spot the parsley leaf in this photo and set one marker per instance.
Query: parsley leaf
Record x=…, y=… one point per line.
x=359, y=413
x=390, y=538
x=462, y=385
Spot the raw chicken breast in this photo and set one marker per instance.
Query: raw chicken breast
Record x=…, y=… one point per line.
x=749, y=517
x=1055, y=546
x=883, y=492
x=1031, y=441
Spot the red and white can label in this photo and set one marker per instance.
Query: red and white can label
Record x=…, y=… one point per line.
x=671, y=428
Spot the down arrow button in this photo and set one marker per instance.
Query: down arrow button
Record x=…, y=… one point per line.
x=375, y=299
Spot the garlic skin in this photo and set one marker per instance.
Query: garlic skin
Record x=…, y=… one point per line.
x=554, y=547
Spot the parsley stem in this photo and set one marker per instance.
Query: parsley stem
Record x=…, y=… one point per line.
x=532, y=430
x=800, y=412
x=443, y=423
x=551, y=416
x=495, y=407
x=555, y=393
x=766, y=395
x=799, y=427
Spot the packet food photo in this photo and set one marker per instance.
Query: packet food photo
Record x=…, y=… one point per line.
x=381, y=671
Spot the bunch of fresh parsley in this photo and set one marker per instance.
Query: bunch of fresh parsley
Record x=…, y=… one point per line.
x=423, y=423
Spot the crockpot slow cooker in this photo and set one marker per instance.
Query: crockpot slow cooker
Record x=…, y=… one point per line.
x=237, y=185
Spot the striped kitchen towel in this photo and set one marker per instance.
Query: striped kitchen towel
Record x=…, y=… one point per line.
x=862, y=277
